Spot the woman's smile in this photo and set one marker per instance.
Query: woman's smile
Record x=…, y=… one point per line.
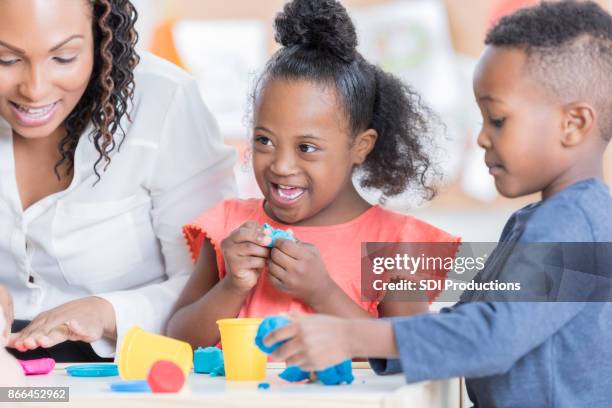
x=34, y=116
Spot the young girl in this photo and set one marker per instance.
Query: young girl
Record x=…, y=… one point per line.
x=321, y=111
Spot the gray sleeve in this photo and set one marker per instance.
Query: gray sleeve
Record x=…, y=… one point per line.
x=383, y=366
x=475, y=339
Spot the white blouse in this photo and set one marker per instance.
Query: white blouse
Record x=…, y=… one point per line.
x=120, y=238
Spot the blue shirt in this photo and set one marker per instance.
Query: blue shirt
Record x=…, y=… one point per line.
x=523, y=354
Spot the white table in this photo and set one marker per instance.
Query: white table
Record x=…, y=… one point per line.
x=368, y=390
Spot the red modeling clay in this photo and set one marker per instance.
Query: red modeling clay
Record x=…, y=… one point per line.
x=165, y=376
x=38, y=366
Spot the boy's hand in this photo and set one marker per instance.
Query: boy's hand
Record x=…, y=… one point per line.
x=245, y=251
x=297, y=269
x=315, y=342
x=86, y=319
x=6, y=307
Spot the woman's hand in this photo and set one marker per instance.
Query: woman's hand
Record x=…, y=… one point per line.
x=245, y=251
x=87, y=319
x=297, y=269
x=314, y=342
x=6, y=306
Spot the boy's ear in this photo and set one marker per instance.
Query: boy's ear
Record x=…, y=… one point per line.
x=363, y=145
x=578, y=122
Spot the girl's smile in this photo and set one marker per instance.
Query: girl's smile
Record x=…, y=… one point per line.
x=286, y=195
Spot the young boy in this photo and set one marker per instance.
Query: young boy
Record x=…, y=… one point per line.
x=542, y=85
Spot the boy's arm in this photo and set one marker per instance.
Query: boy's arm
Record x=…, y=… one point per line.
x=471, y=340
x=204, y=300
x=474, y=339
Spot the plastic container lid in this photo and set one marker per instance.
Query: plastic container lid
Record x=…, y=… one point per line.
x=93, y=370
x=130, y=386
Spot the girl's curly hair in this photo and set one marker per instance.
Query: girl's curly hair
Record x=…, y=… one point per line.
x=111, y=87
x=320, y=44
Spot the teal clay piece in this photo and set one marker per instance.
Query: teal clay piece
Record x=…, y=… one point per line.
x=277, y=233
x=205, y=360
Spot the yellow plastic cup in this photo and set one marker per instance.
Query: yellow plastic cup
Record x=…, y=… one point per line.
x=243, y=360
x=141, y=349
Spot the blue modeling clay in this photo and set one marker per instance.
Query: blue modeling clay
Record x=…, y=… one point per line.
x=338, y=374
x=277, y=233
x=218, y=371
x=205, y=360
x=269, y=325
x=294, y=374
x=263, y=386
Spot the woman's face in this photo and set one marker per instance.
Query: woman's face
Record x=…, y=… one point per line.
x=46, y=61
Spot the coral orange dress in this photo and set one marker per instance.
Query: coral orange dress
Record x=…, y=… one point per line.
x=339, y=246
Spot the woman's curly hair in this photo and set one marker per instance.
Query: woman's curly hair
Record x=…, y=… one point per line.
x=320, y=45
x=110, y=91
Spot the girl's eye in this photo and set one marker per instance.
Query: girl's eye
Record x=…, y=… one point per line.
x=498, y=123
x=306, y=148
x=63, y=60
x=263, y=140
x=8, y=62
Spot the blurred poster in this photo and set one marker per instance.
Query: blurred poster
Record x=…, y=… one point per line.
x=411, y=39
x=224, y=56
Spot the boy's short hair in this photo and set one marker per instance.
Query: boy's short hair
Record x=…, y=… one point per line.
x=569, y=50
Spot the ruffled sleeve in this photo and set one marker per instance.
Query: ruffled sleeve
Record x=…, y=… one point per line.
x=212, y=225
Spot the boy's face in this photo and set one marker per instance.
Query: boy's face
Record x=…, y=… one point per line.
x=522, y=124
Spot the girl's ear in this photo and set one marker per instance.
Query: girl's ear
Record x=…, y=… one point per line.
x=363, y=145
x=578, y=122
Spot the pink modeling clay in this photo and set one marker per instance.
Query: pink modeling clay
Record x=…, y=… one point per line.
x=38, y=366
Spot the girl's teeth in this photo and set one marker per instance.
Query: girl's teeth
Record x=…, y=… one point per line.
x=289, y=193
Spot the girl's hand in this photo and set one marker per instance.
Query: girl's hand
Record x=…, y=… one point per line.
x=6, y=308
x=314, y=342
x=297, y=269
x=245, y=251
x=86, y=319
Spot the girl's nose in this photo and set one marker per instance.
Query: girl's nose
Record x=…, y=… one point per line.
x=284, y=163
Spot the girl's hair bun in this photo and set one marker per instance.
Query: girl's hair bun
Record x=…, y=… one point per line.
x=321, y=25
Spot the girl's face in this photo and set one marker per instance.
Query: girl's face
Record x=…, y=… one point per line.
x=46, y=61
x=303, y=156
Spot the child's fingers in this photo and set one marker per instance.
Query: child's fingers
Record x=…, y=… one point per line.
x=254, y=235
x=245, y=249
x=280, y=334
x=288, y=247
x=298, y=359
x=251, y=262
x=288, y=350
x=277, y=275
x=281, y=258
x=277, y=283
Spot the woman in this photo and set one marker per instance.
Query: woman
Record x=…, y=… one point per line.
x=103, y=156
